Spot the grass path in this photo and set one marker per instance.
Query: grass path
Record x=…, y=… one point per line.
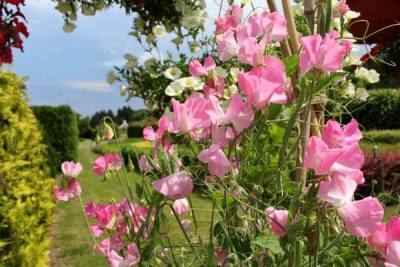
x=71, y=244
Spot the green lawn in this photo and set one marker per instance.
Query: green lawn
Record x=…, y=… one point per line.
x=72, y=245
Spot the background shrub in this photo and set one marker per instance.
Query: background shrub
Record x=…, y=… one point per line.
x=85, y=129
x=135, y=129
x=382, y=136
x=59, y=126
x=380, y=111
x=26, y=203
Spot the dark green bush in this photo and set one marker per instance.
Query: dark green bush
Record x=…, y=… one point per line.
x=59, y=126
x=380, y=111
x=135, y=129
x=382, y=136
x=85, y=129
x=26, y=202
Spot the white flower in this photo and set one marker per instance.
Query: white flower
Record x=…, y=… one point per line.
x=220, y=72
x=194, y=47
x=159, y=31
x=350, y=90
x=132, y=61
x=228, y=92
x=123, y=89
x=69, y=26
x=371, y=76
x=174, y=89
x=362, y=93
x=349, y=15
x=180, y=5
x=111, y=77
x=246, y=2
x=173, y=73
x=191, y=82
x=193, y=18
x=178, y=40
x=297, y=8
x=150, y=62
x=234, y=72
x=130, y=57
x=63, y=7
x=352, y=58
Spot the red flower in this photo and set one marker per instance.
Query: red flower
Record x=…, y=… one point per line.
x=21, y=27
x=15, y=2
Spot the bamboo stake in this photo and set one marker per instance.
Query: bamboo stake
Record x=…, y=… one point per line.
x=293, y=37
x=284, y=44
x=309, y=6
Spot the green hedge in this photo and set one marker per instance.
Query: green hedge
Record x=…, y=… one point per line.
x=26, y=202
x=382, y=136
x=59, y=126
x=135, y=129
x=380, y=111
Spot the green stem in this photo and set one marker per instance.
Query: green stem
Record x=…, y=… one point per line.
x=87, y=220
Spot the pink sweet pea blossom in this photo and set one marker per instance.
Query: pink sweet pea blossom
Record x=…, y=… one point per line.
x=338, y=189
x=336, y=136
x=227, y=45
x=232, y=18
x=108, y=162
x=186, y=224
x=71, y=169
x=132, y=257
x=156, y=136
x=385, y=234
x=96, y=230
x=217, y=162
x=393, y=254
x=222, y=259
x=363, y=217
x=144, y=164
x=73, y=190
x=350, y=159
x=175, y=186
x=239, y=113
x=323, y=54
x=191, y=115
x=197, y=70
x=319, y=157
x=181, y=206
x=277, y=220
x=274, y=25
x=340, y=8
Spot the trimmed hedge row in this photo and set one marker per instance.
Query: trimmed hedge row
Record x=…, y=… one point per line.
x=60, y=130
x=382, y=136
x=26, y=202
x=380, y=111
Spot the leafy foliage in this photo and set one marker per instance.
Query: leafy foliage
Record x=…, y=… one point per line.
x=59, y=126
x=26, y=203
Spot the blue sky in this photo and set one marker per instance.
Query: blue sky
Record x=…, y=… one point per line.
x=70, y=68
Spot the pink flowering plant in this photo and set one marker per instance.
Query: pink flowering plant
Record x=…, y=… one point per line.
x=281, y=179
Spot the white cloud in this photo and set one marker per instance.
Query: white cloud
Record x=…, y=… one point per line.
x=97, y=86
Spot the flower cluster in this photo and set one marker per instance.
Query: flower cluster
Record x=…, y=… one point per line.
x=12, y=26
x=70, y=171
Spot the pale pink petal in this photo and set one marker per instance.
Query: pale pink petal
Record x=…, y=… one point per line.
x=363, y=217
x=393, y=254
x=181, y=206
x=277, y=221
x=175, y=186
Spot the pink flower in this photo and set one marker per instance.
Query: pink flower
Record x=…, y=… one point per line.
x=319, y=157
x=222, y=259
x=227, y=46
x=363, y=217
x=90, y=209
x=132, y=257
x=239, y=113
x=144, y=164
x=156, y=136
x=277, y=220
x=96, y=230
x=274, y=25
x=73, y=190
x=106, y=215
x=340, y=9
x=181, y=206
x=186, y=224
x=108, y=162
x=71, y=169
x=232, y=18
x=393, y=254
x=218, y=164
x=323, y=54
x=338, y=189
x=191, y=115
x=197, y=70
x=385, y=234
x=350, y=159
x=175, y=186
x=104, y=247
x=336, y=136
x=261, y=83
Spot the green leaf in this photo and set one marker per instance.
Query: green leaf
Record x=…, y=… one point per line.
x=322, y=21
x=291, y=64
x=268, y=240
x=273, y=111
x=326, y=80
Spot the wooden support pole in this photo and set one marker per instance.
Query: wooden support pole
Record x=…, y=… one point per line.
x=309, y=6
x=293, y=37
